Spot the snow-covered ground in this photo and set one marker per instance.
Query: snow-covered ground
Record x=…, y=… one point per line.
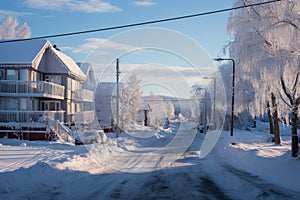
x=148, y=164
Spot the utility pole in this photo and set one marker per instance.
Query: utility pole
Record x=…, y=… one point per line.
x=117, y=121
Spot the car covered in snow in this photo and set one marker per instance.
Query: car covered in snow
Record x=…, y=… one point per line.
x=90, y=137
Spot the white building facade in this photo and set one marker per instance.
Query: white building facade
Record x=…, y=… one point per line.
x=37, y=83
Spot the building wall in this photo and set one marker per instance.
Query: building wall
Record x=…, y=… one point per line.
x=47, y=67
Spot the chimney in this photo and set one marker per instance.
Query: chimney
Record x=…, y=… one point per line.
x=55, y=47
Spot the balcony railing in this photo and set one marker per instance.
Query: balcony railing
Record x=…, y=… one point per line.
x=30, y=116
x=83, y=95
x=84, y=116
x=32, y=88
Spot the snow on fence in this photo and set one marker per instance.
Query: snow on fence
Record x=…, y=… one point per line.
x=83, y=95
x=33, y=87
x=61, y=130
x=30, y=116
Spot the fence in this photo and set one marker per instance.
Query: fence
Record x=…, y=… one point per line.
x=33, y=87
x=30, y=116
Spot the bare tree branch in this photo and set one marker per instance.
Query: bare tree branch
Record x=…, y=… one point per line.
x=284, y=100
x=286, y=21
x=286, y=91
x=296, y=82
x=298, y=101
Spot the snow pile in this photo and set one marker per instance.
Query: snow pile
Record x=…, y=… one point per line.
x=254, y=153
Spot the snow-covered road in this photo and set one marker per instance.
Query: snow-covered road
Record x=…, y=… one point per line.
x=165, y=165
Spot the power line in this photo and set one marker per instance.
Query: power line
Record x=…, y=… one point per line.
x=142, y=23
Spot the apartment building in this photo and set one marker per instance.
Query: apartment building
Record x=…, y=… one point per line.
x=39, y=84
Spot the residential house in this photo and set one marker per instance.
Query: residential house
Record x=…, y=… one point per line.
x=106, y=104
x=38, y=83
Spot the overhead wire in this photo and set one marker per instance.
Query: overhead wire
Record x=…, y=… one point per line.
x=141, y=23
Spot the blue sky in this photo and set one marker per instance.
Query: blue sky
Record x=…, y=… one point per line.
x=59, y=16
x=56, y=16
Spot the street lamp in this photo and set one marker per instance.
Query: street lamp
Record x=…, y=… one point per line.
x=204, y=105
x=214, y=107
x=232, y=94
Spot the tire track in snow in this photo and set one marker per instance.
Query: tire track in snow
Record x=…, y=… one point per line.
x=14, y=158
x=266, y=190
x=182, y=182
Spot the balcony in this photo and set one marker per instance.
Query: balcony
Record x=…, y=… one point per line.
x=7, y=116
x=84, y=116
x=82, y=95
x=32, y=89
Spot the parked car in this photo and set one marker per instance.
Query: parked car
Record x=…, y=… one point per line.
x=90, y=137
x=201, y=128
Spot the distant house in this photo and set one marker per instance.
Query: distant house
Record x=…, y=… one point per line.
x=39, y=83
x=88, y=70
x=106, y=104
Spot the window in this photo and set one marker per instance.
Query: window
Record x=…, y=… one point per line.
x=56, y=79
x=33, y=104
x=12, y=104
x=24, y=74
x=23, y=104
x=51, y=105
x=2, y=77
x=12, y=74
x=2, y=103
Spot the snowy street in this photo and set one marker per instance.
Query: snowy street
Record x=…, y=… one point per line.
x=132, y=168
x=147, y=99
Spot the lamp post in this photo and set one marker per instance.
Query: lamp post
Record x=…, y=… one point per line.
x=214, y=106
x=232, y=94
x=204, y=105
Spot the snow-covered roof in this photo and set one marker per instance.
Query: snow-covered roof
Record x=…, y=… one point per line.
x=108, y=88
x=85, y=67
x=21, y=52
x=29, y=53
x=88, y=70
x=73, y=68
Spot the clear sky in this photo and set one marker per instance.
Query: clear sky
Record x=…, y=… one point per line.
x=59, y=16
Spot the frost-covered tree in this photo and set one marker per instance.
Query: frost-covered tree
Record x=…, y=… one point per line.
x=293, y=103
x=125, y=119
x=170, y=109
x=131, y=101
x=158, y=111
x=265, y=45
x=134, y=93
x=10, y=29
